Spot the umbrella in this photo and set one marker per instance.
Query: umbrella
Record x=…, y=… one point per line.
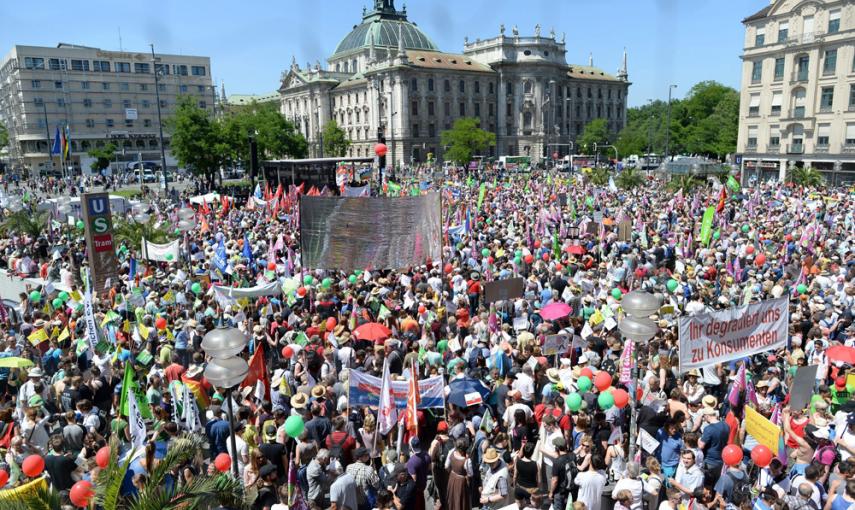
x=15, y=362
x=841, y=353
x=554, y=311
x=575, y=250
x=372, y=331
x=466, y=391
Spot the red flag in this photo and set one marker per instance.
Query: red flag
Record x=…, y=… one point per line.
x=413, y=400
x=266, y=191
x=313, y=192
x=258, y=372
x=278, y=191
x=205, y=208
x=250, y=203
x=721, y=198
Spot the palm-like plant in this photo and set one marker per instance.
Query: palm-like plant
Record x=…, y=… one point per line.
x=629, y=178
x=599, y=176
x=25, y=222
x=43, y=498
x=132, y=232
x=684, y=183
x=807, y=177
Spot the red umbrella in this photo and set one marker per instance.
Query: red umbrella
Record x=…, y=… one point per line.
x=841, y=353
x=372, y=331
x=554, y=311
x=575, y=250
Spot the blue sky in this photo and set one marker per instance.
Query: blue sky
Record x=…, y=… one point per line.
x=250, y=42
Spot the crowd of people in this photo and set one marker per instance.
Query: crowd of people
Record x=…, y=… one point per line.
x=536, y=428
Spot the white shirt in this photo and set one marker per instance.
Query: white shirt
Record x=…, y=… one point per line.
x=508, y=417
x=243, y=451
x=633, y=486
x=691, y=479
x=525, y=385
x=591, y=485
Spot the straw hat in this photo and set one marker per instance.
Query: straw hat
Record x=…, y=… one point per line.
x=299, y=401
x=710, y=401
x=318, y=391
x=491, y=456
x=552, y=375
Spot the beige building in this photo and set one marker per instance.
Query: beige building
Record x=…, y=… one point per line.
x=387, y=77
x=102, y=96
x=797, y=105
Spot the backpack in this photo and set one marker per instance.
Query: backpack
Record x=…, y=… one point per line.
x=826, y=453
x=741, y=488
x=570, y=471
x=444, y=451
x=336, y=449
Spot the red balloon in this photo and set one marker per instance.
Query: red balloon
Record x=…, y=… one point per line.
x=287, y=352
x=761, y=455
x=537, y=243
x=271, y=265
x=422, y=309
x=223, y=462
x=788, y=237
x=546, y=257
x=490, y=260
x=558, y=267
x=749, y=249
x=380, y=149
x=554, y=155
x=587, y=372
x=639, y=393
x=448, y=268
x=621, y=398
x=33, y=466
x=331, y=323
x=760, y=259
x=4, y=477
x=301, y=291
x=602, y=380
x=160, y=323
x=732, y=455
x=81, y=493
x=529, y=259
x=102, y=458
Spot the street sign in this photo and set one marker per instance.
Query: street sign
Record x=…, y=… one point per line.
x=98, y=221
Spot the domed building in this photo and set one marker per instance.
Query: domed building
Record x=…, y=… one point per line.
x=387, y=79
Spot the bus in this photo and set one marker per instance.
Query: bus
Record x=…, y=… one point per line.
x=317, y=172
x=515, y=163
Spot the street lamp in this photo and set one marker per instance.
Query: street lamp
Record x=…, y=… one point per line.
x=157, y=72
x=226, y=370
x=638, y=328
x=668, y=122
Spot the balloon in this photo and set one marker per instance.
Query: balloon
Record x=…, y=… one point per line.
x=529, y=259
x=287, y=352
x=160, y=323
x=602, y=380
x=326, y=283
x=672, y=285
x=422, y=309
x=294, y=426
x=271, y=265
x=301, y=291
x=307, y=280
x=57, y=303
x=331, y=322
x=546, y=257
x=196, y=288
x=518, y=260
x=81, y=493
x=802, y=288
x=616, y=293
x=223, y=462
x=605, y=401
x=584, y=383
x=352, y=278
x=485, y=252
x=518, y=253
x=4, y=477
x=33, y=466
x=749, y=249
x=559, y=267
x=448, y=268
x=64, y=296
x=380, y=149
x=587, y=372
x=760, y=259
x=746, y=228
x=761, y=455
x=732, y=455
x=716, y=235
x=621, y=398
x=102, y=458
x=537, y=243
x=35, y=296
x=80, y=225
x=573, y=401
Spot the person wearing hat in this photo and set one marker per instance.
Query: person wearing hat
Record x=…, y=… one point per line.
x=495, y=491
x=267, y=492
x=692, y=388
x=473, y=292
x=713, y=440
x=33, y=386
x=273, y=451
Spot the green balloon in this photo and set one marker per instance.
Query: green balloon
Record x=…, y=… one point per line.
x=616, y=293
x=485, y=252
x=57, y=303
x=802, y=288
x=307, y=280
x=584, y=383
x=352, y=278
x=746, y=228
x=606, y=400
x=716, y=235
x=64, y=296
x=35, y=296
x=518, y=261
x=327, y=283
x=518, y=254
x=442, y=346
x=573, y=401
x=196, y=288
x=80, y=225
x=294, y=426
x=672, y=285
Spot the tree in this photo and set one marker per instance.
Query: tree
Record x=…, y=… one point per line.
x=335, y=140
x=102, y=156
x=4, y=136
x=132, y=232
x=599, y=176
x=275, y=136
x=25, y=222
x=466, y=139
x=629, y=178
x=684, y=183
x=807, y=177
x=596, y=131
x=197, y=141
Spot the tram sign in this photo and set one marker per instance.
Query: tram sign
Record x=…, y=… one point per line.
x=100, y=249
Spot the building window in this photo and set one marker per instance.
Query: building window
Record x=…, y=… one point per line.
x=477, y=87
x=803, y=63
x=79, y=65
x=109, y=123
x=142, y=68
x=477, y=109
x=101, y=66
x=57, y=84
x=760, y=37
x=415, y=130
x=490, y=109
x=36, y=84
x=462, y=109
x=123, y=67
x=447, y=86
x=430, y=84
x=447, y=109
x=823, y=131
x=87, y=103
x=774, y=137
x=508, y=110
x=60, y=102
x=143, y=87
x=85, y=85
x=198, y=70
x=754, y=105
x=34, y=63
x=752, y=137
x=578, y=110
x=599, y=93
x=182, y=89
x=105, y=86
x=414, y=84
x=851, y=97
x=834, y=21
x=829, y=63
x=124, y=87
x=146, y=122
x=90, y=123
x=850, y=134
x=204, y=104
x=826, y=99
x=200, y=89
x=129, y=123
x=490, y=88
x=145, y=103
x=431, y=111
x=163, y=103
x=161, y=87
x=414, y=108
x=180, y=69
x=161, y=69
x=590, y=95
x=756, y=70
x=107, y=103
x=431, y=130
x=777, y=101
x=38, y=101
x=126, y=103
x=779, y=69
x=799, y=103
x=783, y=31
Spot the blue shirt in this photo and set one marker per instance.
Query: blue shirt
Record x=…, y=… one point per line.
x=669, y=448
x=715, y=439
x=218, y=434
x=181, y=340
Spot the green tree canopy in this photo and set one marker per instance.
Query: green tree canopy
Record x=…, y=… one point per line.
x=103, y=156
x=197, y=141
x=335, y=140
x=595, y=131
x=4, y=136
x=274, y=135
x=466, y=139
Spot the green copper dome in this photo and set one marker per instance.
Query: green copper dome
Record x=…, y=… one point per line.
x=383, y=24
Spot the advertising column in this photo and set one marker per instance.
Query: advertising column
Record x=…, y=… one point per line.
x=99, y=239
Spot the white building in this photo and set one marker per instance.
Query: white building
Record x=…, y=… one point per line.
x=797, y=105
x=102, y=96
x=386, y=77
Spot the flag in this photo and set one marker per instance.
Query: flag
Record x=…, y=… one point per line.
x=556, y=247
x=221, y=258
x=247, y=251
x=612, y=186
x=189, y=411
x=481, y=194
x=733, y=184
x=738, y=385
x=257, y=193
x=488, y=423
x=722, y=197
x=387, y=412
x=135, y=422
x=258, y=373
x=57, y=144
x=706, y=225
x=130, y=388
x=198, y=391
x=413, y=399
x=38, y=336
x=62, y=336
x=66, y=142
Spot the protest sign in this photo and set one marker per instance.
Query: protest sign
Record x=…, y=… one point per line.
x=764, y=431
x=562, y=199
x=502, y=290
x=648, y=443
x=553, y=344
x=802, y=387
x=717, y=337
x=625, y=231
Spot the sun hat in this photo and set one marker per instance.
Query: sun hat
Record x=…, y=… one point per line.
x=491, y=456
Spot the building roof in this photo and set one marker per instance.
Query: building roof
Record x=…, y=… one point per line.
x=245, y=99
x=450, y=61
x=381, y=26
x=589, y=73
x=759, y=14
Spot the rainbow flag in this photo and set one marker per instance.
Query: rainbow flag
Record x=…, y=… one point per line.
x=198, y=391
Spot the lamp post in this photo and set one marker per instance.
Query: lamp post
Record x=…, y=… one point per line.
x=668, y=122
x=637, y=326
x=159, y=121
x=226, y=370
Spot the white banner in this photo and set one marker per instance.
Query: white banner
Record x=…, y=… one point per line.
x=136, y=423
x=91, y=327
x=709, y=338
x=160, y=252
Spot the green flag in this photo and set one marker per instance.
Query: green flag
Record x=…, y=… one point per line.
x=469, y=182
x=706, y=225
x=573, y=209
x=589, y=201
x=414, y=192
x=394, y=187
x=129, y=383
x=733, y=184
x=481, y=194
x=556, y=246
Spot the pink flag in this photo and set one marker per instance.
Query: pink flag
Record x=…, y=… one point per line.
x=738, y=385
x=626, y=365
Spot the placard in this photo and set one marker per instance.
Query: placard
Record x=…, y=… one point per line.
x=625, y=231
x=764, y=431
x=647, y=442
x=802, y=387
x=503, y=290
x=553, y=344
x=562, y=199
x=98, y=224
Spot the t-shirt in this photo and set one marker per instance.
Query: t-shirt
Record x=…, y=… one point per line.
x=273, y=453
x=715, y=439
x=266, y=498
x=60, y=467
x=343, y=492
x=591, y=485
x=559, y=470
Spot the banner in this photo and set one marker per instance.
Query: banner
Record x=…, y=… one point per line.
x=503, y=290
x=802, y=387
x=357, y=191
x=160, y=252
x=233, y=294
x=135, y=422
x=91, y=327
x=349, y=233
x=706, y=225
x=717, y=337
x=764, y=431
x=364, y=390
x=98, y=225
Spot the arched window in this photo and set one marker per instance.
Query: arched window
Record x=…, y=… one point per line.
x=527, y=118
x=527, y=87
